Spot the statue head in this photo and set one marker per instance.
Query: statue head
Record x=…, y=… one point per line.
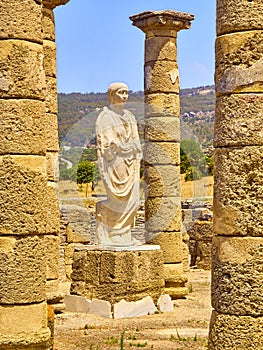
x=117, y=93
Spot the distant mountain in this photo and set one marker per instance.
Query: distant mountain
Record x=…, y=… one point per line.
x=78, y=113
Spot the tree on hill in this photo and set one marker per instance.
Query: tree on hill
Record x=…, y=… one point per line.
x=87, y=172
x=194, y=164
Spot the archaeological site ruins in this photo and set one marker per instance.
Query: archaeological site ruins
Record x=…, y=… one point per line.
x=44, y=251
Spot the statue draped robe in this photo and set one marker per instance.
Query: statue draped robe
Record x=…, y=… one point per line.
x=119, y=156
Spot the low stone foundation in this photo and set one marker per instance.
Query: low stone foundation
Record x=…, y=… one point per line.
x=113, y=275
x=200, y=239
x=197, y=219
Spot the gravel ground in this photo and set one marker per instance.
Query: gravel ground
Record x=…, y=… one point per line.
x=186, y=327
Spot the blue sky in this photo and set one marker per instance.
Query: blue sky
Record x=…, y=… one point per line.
x=97, y=43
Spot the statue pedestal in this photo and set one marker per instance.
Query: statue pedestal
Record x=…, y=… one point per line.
x=115, y=273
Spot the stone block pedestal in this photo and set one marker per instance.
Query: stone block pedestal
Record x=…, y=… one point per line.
x=116, y=273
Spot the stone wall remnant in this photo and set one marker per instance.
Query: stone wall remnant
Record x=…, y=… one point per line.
x=200, y=238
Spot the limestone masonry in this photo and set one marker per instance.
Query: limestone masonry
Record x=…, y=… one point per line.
x=29, y=219
x=237, y=247
x=163, y=217
x=39, y=254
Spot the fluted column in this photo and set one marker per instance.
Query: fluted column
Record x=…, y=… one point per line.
x=162, y=139
x=237, y=278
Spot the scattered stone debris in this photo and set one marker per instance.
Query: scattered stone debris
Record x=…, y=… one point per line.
x=165, y=303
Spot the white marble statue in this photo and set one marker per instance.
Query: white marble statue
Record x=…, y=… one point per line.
x=119, y=156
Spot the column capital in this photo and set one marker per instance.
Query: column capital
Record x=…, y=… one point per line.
x=51, y=4
x=162, y=23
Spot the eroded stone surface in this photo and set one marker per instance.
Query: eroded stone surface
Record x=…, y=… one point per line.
x=162, y=23
x=115, y=292
x=162, y=129
x=160, y=48
x=173, y=270
x=201, y=231
x=237, y=275
x=162, y=180
x=51, y=96
x=235, y=16
x=21, y=19
x=54, y=296
x=51, y=128
x=162, y=104
x=162, y=135
x=238, y=191
x=48, y=20
x=23, y=195
x=239, y=62
x=22, y=128
x=22, y=270
x=78, y=225
x=50, y=66
x=171, y=245
x=163, y=214
x=52, y=166
x=113, y=276
x=53, y=212
x=162, y=153
x=117, y=267
x=51, y=4
x=176, y=292
x=27, y=319
x=161, y=76
x=238, y=120
x=51, y=244
x=236, y=264
x=22, y=73
x=235, y=332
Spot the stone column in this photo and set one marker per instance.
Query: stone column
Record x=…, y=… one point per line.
x=237, y=277
x=162, y=140
x=51, y=239
x=23, y=184
x=26, y=213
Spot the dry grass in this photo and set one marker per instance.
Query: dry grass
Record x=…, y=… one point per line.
x=197, y=189
x=190, y=189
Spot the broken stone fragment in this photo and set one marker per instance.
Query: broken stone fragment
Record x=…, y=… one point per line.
x=141, y=307
x=165, y=303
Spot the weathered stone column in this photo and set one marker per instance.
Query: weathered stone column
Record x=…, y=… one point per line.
x=26, y=213
x=23, y=185
x=162, y=140
x=237, y=267
x=51, y=239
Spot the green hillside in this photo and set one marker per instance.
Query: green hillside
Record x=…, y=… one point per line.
x=78, y=113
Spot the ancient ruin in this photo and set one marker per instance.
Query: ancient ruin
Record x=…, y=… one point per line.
x=30, y=216
x=237, y=277
x=29, y=243
x=162, y=136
